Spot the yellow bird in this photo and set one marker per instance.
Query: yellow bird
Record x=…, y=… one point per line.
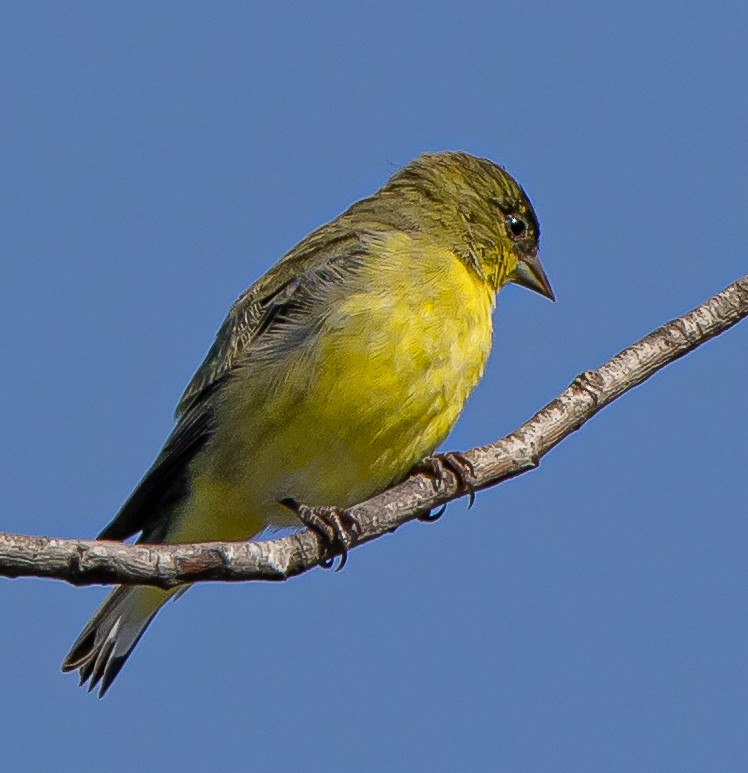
x=332, y=376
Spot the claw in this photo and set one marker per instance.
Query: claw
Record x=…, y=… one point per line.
x=439, y=467
x=336, y=528
x=429, y=516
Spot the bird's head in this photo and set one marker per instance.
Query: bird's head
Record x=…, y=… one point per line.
x=477, y=209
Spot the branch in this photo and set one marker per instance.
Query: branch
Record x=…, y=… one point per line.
x=86, y=562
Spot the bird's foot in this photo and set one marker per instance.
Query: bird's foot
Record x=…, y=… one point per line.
x=441, y=468
x=336, y=528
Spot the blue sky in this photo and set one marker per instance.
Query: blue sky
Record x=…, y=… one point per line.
x=592, y=615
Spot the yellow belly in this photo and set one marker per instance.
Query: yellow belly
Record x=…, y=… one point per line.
x=352, y=411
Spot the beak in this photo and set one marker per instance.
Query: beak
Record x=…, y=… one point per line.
x=530, y=274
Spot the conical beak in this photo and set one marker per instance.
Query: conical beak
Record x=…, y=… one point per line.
x=530, y=274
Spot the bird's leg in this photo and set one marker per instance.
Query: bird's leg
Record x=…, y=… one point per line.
x=337, y=529
x=441, y=468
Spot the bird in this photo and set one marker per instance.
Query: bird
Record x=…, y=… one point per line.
x=332, y=377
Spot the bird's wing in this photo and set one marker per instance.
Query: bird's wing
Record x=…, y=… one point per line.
x=261, y=315
x=281, y=292
x=149, y=506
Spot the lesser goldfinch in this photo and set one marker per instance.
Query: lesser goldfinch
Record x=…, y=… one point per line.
x=333, y=374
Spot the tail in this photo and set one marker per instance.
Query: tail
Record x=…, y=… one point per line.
x=112, y=633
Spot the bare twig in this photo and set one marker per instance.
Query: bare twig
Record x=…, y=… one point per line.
x=85, y=562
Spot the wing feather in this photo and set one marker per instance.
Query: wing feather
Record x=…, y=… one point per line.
x=328, y=250
x=274, y=304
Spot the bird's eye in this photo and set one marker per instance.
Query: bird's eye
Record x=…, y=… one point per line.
x=516, y=225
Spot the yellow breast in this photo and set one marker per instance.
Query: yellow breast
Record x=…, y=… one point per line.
x=377, y=389
x=402, y=354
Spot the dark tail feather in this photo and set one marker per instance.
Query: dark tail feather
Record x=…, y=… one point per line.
x=112, y=633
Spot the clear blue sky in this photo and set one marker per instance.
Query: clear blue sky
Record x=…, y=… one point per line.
x=155, y=158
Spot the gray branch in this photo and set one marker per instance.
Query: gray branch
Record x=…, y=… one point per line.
x=87, y=562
